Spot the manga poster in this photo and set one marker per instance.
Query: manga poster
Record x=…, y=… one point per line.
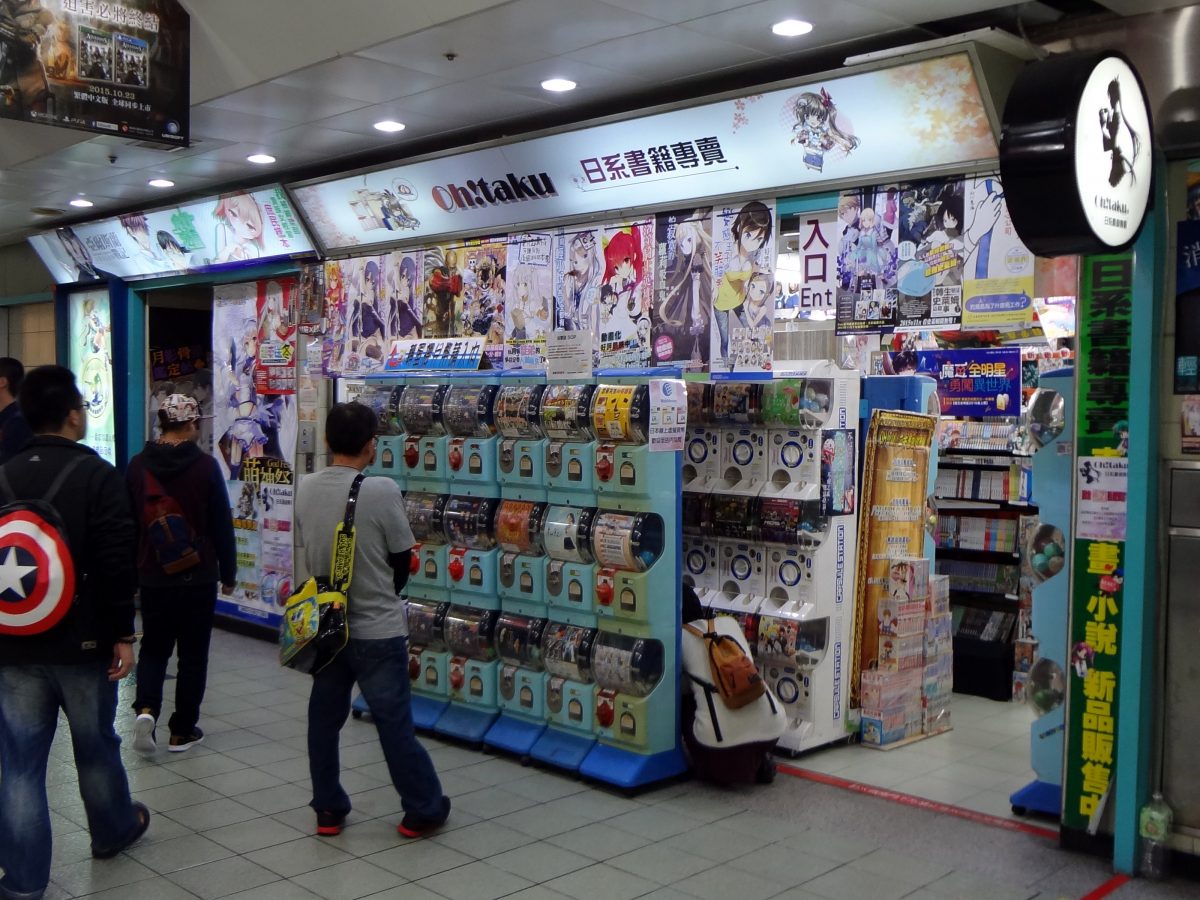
x=333, y=346
x=681, y=319
x=743, y=287
x=998, y=270
x=402, y=302
x=626, y=295
x=464, y=292
x=276, y=371
x=364, y=338
x=930, y=247
x=255, y=440
x=868, y=260
x=578, y=276
x=181, y=370
x=90, y=358
x=528, y=299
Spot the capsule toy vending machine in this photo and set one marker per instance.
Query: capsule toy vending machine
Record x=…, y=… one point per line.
x=522, y=583
x=635, y=542
x=702, y=447
x=521, y=454
x=469, y=527
x=428, y=660
x=741, y=559
x=570, y=634
x=424, y=460
x=471, y=448
x=699, y=552
x=384, y=400
x=566, y=421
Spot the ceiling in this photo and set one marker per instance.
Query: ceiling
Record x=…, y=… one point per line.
x=308, y=88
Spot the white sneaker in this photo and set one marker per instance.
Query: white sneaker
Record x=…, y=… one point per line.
x=143, y=734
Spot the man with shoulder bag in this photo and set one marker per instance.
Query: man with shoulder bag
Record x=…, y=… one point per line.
x=66, y=632
x=376, y=655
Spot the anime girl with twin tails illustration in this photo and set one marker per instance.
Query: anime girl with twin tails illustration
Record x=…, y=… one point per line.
x=816, y=128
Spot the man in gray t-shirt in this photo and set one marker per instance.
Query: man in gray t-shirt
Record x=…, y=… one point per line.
x=376, y=657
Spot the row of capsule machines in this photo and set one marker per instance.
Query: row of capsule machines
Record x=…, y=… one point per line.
x=543, y=598
x=769, y=527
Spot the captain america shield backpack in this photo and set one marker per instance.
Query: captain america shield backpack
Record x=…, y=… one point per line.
x=37, y=574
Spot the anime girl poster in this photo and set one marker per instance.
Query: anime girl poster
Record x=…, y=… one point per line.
x=334, y=345
x=930, y=249
x=402, y=303
x=998, y=270
x=365, y=334
x=681, y=318
x=743, y=264
x=482, y=310
x=821, y=133
x=626, y=295
x=276, y=336
x=528, y=299
x=868, y=260
x=578, y=275
x=442, y=276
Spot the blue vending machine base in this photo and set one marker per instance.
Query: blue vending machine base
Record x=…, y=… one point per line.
x=631, y=770
x=1038, y=797
x=466, y=723
x=425, y=710
x=513, y=735
x=562, y=749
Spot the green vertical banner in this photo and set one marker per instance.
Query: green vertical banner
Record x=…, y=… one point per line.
x=1101, y=508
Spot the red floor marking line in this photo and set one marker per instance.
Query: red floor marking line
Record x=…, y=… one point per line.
x=920, y=803
x=1117, y=881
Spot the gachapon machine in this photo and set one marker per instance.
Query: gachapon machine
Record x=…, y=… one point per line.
x=521, y=457
x=737, y=414
x=428, y=578
x=625, y=468
x=795, y=410
x=628, y=669
x=471, y=450
x=570, y=695
x=473, y=673
x=425, y=440
x=625, y=547
x=792, y=645
x=570, y=570
x=468, y=524
x=740, y=558
x=522, y=685
x=428, y=660
x=384, y=400
x=522, y=565
x=789, y=528
x=702, y=446
x=699, y=549
x=566, y=419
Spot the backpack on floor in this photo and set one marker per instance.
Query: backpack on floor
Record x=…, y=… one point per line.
x=39, y=588
x=168, y=531
x=734, y=676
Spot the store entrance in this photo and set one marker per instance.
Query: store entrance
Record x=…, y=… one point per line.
x=179, y=352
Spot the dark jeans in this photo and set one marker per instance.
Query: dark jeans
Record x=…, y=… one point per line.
x=30, y=698
x=173, y=616
x=381, y=670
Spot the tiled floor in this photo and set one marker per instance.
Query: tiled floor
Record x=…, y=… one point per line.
x=230, y=820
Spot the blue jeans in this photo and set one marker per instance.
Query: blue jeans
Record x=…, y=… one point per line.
x=381, y=669
x=30, y=698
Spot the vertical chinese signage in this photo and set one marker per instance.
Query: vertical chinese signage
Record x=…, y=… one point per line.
x=254, y=377
x=1187, y=307
x=90, y=358
x=1097, y=595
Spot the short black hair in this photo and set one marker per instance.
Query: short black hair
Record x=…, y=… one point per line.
x=13, y=372
x=349, y=427
x=48, y=395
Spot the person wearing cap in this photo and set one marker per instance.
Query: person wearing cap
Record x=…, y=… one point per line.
x=179, y=566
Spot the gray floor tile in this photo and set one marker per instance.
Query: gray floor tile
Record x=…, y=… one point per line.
x=157, y=888
x=277, y=890
x=537, y=892
x=263, y=754
x=784, y=866
x=253, y=834
x=667, y=894
x=483, y=839
x=348, y=881
x=174, y=796
x=848, y=883
x=601, y=882
x=491, y=802
x=977, y=887
x=419, y=859
x=835, y=845
x=494, y=771
x=179, y=853
x=717, y=842
x=902, y=866
x=543, y=787
x=661, y=863
x=475, y=881
x=234, y=740
x=241, y=781
x=654, y=823
x=222, y=878
x=276, y=799
x=407, y=892
x=91, y=876
x=203, y=766
x=148, y=777
x=297, y=857
x=539, y=862
x=598, y=841
x=213, y=814
x=540, y=823
x=724, y=882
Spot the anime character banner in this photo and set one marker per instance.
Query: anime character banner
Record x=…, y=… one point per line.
x=90, y=358
x=868, y=260
x=276, y=371
x=109, y=68
x=363, y=330
x=681, y=318
x=626, y=296
x=930, y=250
x=528, y=299
x=333, y=345
x=223, y=231
x=464, y=292
x=998, y=270
x=255, y=441
x=743, y=265
x=578, y=275
x=908, y=116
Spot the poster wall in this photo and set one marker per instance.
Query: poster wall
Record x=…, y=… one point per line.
x=626, y=296
x=528, y=298
x=743, y=287
x=578, y=276
x=255, y=424
x=681, y=318
x=90, y=358
x=109, y=68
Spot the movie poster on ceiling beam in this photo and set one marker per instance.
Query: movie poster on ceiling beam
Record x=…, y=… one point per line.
x=120, y=69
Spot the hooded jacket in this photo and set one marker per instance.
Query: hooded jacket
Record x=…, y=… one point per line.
x=194, y=480
x=94, y=509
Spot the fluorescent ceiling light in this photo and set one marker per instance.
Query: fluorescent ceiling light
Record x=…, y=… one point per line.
x=81, y=203
x=558, y=85
x=260, y=159
x=160, y=183
x=388, y=126
x=791, y=28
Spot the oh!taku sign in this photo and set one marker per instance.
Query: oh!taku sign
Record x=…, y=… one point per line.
x=1075, y=154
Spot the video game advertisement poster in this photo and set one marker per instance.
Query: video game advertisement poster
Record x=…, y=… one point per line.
x=255, y=439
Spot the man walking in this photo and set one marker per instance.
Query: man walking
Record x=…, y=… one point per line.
x=185, y=544
x=14, y=430
x=376, y=656
x=66, y=633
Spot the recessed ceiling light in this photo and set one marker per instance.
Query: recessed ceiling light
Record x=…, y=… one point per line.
x=558, y=85
x=791, y=28
x=81, y=203
x=160, y=183
x=260, y=159
x=389, y=126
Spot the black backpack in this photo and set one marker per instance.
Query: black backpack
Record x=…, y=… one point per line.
x=168, y=532
x=37, y=572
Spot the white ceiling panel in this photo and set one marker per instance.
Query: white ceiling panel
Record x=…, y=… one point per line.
x=474, y=103
x=833, y=23
x=474, y=55
x=213, y=123
x=593, y=82
x=363, y=79
x=307, y=143
x=916, y=12
x=362, y=121
x=292, y=104
x=667, y=54
x=676, y=11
